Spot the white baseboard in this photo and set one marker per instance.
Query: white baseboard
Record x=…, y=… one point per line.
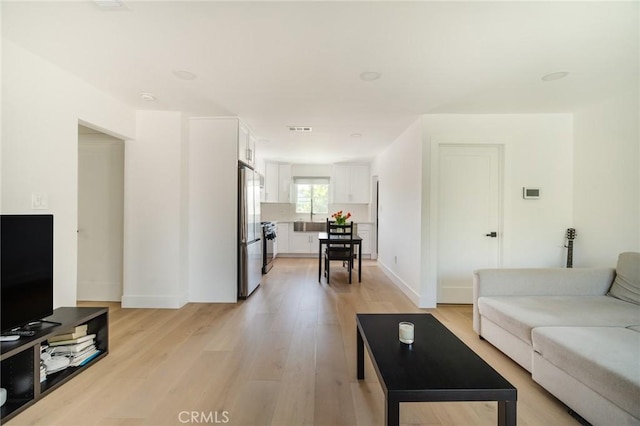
x=159, y=302
x=406, y=289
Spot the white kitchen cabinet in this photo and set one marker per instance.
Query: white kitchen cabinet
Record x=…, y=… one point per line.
x=360, y=184
x=284, y=182
x=246, y=145
x=299, y=242
x=251, y=151
x=341, y=184
x=282, y=237
x=350, y=183
x=303, y=242
x=277, y=183
x=364, y=232
x=314, y=243
x=243, y=142
x=271, y=183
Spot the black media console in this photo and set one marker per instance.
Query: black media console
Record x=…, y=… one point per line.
x=20, y=359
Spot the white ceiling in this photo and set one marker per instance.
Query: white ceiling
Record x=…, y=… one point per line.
x=280, y=64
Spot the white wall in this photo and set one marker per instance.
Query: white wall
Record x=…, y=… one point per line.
x=185, y=207
x=154, y=215
x=41, y=108
x=213, y=217
x=311, y=170
x=2, y=108
x=607, y=181
x=537, y=152
x=399, y=170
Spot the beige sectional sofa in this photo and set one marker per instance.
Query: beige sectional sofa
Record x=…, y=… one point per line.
x=576, y=330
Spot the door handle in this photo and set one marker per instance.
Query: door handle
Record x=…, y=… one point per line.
x=492, y=235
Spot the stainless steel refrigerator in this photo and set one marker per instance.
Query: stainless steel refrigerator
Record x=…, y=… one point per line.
x=249, y=231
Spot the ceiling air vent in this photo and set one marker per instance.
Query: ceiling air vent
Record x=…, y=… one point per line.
x=109, y=4
x=300, y=129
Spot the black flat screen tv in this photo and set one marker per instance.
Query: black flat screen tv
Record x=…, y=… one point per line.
x=26, y=269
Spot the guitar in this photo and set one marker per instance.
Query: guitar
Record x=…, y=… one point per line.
x=571, y=235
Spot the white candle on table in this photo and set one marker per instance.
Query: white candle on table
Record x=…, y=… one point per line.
x=406, y=332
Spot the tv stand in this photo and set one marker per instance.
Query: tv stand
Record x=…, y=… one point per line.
x=28, y=330
x=20, y=359
x=40, y=322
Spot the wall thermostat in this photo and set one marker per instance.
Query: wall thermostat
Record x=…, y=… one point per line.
x=530, y=193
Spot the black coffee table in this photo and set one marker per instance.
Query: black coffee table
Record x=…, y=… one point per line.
x=436, y=367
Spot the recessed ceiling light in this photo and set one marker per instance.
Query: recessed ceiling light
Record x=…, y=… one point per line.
x=147, y=97
x=184, y=74
x=555, y=76
x=370, y=76
x=356, y=135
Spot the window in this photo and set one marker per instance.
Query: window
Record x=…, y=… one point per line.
x=312, y=195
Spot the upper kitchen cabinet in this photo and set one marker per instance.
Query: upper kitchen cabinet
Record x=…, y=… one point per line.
x=251, y=156
x=284, y=181
x=246, y=145
x=277, y=183
x=351, y=183
x=271, y=184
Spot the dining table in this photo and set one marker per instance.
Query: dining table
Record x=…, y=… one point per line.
x=353, y=240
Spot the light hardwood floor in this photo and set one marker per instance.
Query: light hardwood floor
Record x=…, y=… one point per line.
x=285, y=356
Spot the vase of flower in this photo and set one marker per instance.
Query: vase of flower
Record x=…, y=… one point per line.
x=340, y=218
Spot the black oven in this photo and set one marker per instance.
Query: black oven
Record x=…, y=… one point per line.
x=268, y=240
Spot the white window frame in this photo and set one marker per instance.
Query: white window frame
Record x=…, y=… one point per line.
x=311, y=181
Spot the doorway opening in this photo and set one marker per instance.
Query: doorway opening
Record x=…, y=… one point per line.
x=375, y=210
x=100, y=216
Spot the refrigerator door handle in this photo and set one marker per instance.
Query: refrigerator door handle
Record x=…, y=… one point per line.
x=242, y=207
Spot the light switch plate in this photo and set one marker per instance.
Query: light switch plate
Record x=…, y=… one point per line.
x=39, y=201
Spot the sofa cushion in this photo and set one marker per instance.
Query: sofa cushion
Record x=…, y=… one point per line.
x=626, y=285
x=520, y=314
x=605, y=359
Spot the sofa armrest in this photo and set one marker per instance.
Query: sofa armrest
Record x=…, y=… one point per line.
x=539, y=282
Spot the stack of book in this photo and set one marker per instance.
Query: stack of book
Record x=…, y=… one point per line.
x=78, y=346
x=43, y=366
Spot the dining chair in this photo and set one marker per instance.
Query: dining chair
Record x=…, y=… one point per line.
x=338, y=250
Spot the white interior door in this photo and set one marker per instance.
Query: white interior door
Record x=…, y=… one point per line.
x=469, y=211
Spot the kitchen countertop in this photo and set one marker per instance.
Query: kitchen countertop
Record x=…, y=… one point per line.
x=319, y=221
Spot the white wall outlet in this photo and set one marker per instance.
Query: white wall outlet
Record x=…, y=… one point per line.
x=395, y=259
x=39, y=201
